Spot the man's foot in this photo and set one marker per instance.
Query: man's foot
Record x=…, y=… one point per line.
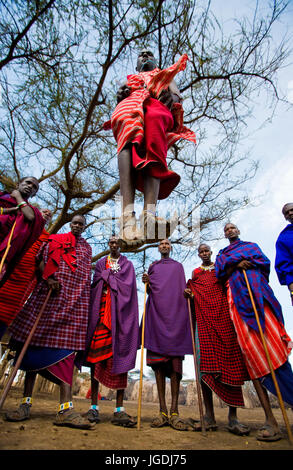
x=128, y=228
x=154, y=228
x=71, y=419
x=93, y=416
x=160, y=421
x=123, y=419
x=209, y=423
x=240, y=429
x=178, y=423
x=268, y=433
x=21, y=414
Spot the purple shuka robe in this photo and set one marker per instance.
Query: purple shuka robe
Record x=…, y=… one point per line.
x=167, y=324
x=124, y=312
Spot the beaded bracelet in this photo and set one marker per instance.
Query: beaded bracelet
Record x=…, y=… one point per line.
x=22, y=204
x=1, y=210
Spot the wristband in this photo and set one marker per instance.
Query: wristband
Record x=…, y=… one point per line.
x=22, y=204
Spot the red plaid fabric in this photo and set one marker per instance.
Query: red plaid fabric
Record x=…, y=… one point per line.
x=278, y=342
x=64, y=321
x=103, y=374
x=221, y=361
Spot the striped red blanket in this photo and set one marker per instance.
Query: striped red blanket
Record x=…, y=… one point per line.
x=20, y=284
x=278, y=342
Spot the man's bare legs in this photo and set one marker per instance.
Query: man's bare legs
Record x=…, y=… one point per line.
x=127, y=191
x=174, y=420
x=265, y=403
x=120, y=417
x=161, y=387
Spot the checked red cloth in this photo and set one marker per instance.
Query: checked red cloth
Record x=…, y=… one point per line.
x=221, y=361
x=65, y=318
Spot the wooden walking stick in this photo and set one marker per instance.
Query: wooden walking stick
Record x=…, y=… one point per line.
x=141, y=359
x=197, y=372
x=280, y=399
x=7, y=247
x=23, y=351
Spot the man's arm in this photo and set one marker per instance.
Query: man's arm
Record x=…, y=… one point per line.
x=171, y=95
x=23, y=205
x=146, y=280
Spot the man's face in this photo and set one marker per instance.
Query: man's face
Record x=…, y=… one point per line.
x=146, y=61
x=114, y=246
x=165, y=247
x=231, y=231
x=28, y=187
x=288, y=212
x=46, y=214
x=77, y=225
x=205, y=253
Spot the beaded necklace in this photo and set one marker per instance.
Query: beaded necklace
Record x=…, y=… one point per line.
x=208, y=268
x=113, y=264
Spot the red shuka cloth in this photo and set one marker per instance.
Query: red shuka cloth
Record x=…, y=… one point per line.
x=221, y=361
x=60, y=245
x=277, y=340
x=65, y=318
x=130, y=123
x=20, y=284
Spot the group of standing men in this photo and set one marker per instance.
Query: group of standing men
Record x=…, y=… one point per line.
x=96, y=323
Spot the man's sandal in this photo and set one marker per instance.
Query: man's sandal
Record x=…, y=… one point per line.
x=240, y=429
x=123, y=419
x=268, y=433
x=21, y=414
x=129, y=231
x=178, y=423
x=160, y=421
x=93, y=416
x=208, y=424
x=154, y=228
x=71, y=419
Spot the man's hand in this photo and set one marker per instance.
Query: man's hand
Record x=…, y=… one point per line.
x=166, y=97
x=245, y=264
x=145, y=278
x=290, y=287
x=16, y=194
x=188, y=293
x=54, y=285
x=123, y=92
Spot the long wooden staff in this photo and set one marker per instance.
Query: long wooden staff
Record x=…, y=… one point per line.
x=280, y=399
x=8, y=246
x=141, y=359
x=197, y=373
x=23, y=351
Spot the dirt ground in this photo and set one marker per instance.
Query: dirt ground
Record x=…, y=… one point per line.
x=39, y=433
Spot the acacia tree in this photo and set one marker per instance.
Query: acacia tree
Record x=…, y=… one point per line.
x=61, y=65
